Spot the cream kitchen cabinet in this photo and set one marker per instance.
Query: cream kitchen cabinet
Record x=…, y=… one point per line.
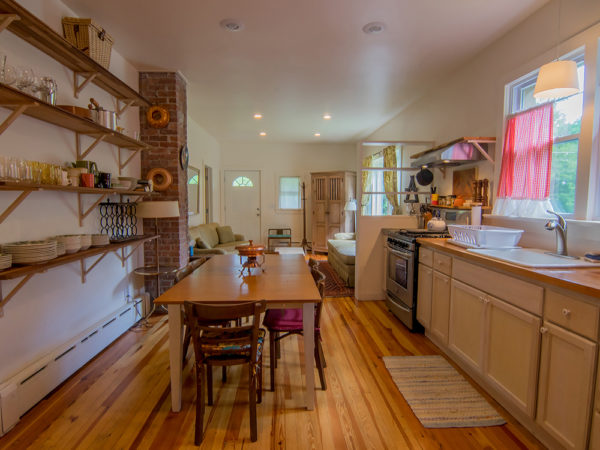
x=440, y=306
x=566, y=385
x=424, y=296
x=511, y=352
x=466, y=323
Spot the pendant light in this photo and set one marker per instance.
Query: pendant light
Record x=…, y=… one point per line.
x=558, y=78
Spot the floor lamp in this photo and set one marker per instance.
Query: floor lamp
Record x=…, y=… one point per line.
x=157, y=210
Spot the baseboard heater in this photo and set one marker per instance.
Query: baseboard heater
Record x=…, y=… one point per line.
x=22, y=391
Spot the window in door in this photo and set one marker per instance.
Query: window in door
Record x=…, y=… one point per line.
x=242, y=182
x=289, y=193
x=567, y=113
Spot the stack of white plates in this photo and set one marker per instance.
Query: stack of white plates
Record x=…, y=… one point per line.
x=100, y=240
x=60, y=248
x=5, y=261
x=72, y=242
x=86, y=241
x=30, y=252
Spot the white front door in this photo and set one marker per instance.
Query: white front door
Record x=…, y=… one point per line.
x=242, y=202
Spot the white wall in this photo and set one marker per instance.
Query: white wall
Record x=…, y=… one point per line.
x=280, y=159
x=55, y=306
x=204, y=151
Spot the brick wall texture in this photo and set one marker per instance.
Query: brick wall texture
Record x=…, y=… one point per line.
x=166, y=89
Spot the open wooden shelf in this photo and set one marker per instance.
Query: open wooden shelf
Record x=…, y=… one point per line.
x=460, y=208
x=8, y=186
x=21, y=271
x=37, y=33
x=33, y=107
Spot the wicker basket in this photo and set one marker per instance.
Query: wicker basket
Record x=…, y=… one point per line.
x=88, y=37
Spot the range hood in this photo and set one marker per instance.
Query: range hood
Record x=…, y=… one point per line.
x=464, y=150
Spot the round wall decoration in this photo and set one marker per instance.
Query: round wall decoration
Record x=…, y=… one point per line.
x=161, y=178
x=184, y=157
x=157, y=116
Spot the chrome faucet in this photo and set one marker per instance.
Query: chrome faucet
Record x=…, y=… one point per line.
x=560, y=226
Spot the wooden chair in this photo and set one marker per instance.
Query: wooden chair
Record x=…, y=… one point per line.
x=223, y=346
x=288, y=322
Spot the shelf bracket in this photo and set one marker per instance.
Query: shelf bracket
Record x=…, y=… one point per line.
x=11, y=294
x=128, y=160
x=14, y=115
x=482, y=151
x=126, y=104
x=82, y=155
x=88, y=78
x=85, y=271
x=22, y=196
x=6, y=20
x=122, y=257
x=82, y=214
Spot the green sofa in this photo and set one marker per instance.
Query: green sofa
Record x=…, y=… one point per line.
x=214, y=239
x=341, y=253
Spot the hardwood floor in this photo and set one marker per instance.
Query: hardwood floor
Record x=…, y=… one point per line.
x=122, y=398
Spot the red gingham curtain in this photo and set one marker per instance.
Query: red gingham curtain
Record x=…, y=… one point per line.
x=527, y=155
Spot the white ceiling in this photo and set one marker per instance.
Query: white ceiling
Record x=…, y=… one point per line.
x=298, y=59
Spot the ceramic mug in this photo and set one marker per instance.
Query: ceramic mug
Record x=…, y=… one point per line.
x=87, y=180
x=74, y=180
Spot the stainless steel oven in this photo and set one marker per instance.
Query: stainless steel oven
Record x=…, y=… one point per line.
x=401, y=274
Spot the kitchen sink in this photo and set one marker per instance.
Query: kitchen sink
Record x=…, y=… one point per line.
x=531, y=257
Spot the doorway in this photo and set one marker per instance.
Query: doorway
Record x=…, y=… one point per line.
x=242, y=202
x=208, y=195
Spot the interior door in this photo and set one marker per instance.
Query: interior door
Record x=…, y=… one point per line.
x=319, y=213
x=242, y=202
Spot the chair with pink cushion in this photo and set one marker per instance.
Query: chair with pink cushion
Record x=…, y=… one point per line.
x=284, y=322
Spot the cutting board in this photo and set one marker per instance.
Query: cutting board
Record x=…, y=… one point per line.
x=462, y=182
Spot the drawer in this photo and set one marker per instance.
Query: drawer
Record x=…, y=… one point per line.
x=520, y=293
x=442, y=263
x=568, y=312
x=426, y=256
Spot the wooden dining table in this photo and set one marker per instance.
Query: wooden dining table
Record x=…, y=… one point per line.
x=285, y=282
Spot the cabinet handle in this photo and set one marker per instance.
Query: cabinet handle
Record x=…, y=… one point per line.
x=486, y=300
x=566, y=312
x=543, y=330
x=482, y=299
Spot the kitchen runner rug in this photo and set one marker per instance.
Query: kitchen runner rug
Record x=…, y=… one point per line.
x=439, y=396
x=334, y=286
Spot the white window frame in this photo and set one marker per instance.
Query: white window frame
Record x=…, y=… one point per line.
x=299, y=178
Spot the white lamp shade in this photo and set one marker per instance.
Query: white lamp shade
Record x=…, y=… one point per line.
x=556, y=79
x=350, y=205
x=157, y=210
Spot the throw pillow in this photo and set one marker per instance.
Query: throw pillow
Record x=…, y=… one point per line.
x=200, y=243
x=225, y=234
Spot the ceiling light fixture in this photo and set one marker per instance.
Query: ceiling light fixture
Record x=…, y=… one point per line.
x=258, y=116
x=558, y=78
x=374, y=28
x=231, y=25
x=263, y=133
x=317, y=134
x=327, y=116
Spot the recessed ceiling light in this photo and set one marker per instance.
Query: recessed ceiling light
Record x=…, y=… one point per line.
x=317, y=134
x=258, y=116
x=374, y=28
x=263, y=133
x=326, y=116
x=231, y=25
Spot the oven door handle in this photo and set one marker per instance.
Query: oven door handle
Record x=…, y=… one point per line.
x=405, y=255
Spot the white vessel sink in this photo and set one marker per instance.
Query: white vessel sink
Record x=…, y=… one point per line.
x=531, y=257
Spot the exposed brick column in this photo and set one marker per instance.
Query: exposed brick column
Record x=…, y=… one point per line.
x=166, y=89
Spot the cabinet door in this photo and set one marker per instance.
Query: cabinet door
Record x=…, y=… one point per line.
x=335, y=205
x=512, y=352
x=465, y=331
x=440, y=306
x=319, y=212
x=425, y=278
x=565, y=387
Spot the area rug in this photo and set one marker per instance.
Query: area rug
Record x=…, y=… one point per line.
x=334, y=286
x=439, y=396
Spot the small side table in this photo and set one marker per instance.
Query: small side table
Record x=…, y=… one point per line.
x=279, y=234
x=154, y=271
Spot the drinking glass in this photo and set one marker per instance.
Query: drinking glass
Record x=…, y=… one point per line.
x=10, y=75
x=25, y=78
x=3, y=168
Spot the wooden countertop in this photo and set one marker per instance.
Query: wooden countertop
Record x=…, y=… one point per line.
x=584, y=280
